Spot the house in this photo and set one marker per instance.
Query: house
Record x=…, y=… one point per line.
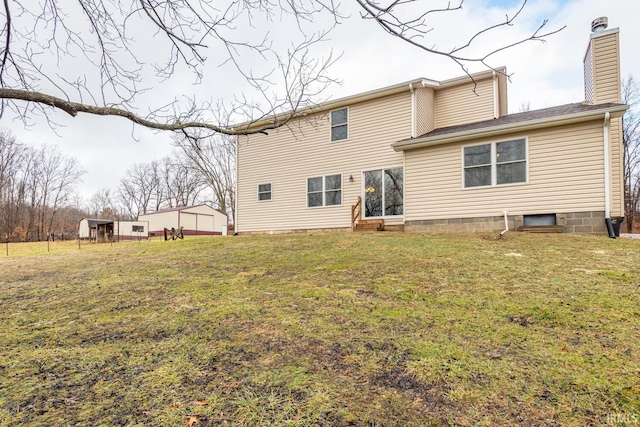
x=443, y=156
x=109, y=230
x=195, y=220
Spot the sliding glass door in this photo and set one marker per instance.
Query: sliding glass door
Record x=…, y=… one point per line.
x=383, y=192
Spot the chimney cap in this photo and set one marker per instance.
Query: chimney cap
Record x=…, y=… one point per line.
x=599, y=24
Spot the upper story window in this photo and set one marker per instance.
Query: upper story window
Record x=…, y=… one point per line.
x=339, y=124
x=324, y=191
x=264, y=192
x=497, y=163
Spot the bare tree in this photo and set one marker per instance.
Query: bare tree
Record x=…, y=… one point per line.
x=413, y=22
x=35, y=184
x=105, y=37
x=215, y=159
x=157, y=185
x=41, y=35
x=63, y=175
x=11, y=158
x=631, y=145
x=183, y=181
x=102, y=204
x=137, y=189
x=524, y=107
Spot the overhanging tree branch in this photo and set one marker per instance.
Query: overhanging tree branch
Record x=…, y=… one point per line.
x=282, y=76
x=73, y=108
x=392, y=19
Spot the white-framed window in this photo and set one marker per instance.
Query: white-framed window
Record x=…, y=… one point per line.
x=340, y=124
x=384, y=192
x=137, y=228
x=264, y=192
x=324, y=191
x=495, y=163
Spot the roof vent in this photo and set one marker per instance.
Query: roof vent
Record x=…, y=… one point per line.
x=599, y=24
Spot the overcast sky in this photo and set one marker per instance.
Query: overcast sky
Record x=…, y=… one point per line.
x=542, y=74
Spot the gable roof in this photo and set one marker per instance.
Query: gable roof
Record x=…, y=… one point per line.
x=553, y=116
x=180, y=208
x=372, y=94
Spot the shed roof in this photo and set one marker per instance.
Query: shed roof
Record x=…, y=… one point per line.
x=94, y=221
x=568, y=113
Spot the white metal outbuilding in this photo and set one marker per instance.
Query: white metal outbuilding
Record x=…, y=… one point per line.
x=195, y=220
x=107, y=230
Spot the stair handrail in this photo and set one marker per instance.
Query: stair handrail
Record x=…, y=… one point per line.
x=356, y=213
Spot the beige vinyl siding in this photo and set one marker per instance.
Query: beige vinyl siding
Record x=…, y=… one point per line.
x=502, y=93
x=588, y=74
x=606, y=69
x=424, y=110
x=458, y=104
x=565, y=175
x=288, y=156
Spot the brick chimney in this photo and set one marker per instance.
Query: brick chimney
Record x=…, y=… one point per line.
x=602, y=64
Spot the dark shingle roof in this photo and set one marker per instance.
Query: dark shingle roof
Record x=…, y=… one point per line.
x=545, y=113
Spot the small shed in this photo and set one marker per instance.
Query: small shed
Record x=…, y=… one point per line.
x=195, y=220
x=108, y=230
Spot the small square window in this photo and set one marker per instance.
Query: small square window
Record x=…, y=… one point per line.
x=264, y=192
x=339, y=124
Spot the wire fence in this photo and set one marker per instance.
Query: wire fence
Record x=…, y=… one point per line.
x=18, y=249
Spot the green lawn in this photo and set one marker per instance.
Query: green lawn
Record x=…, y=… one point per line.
x=344, y=329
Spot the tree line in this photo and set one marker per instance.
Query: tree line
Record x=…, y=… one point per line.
x=197, y=171
x=631, y=145
x=38, y=187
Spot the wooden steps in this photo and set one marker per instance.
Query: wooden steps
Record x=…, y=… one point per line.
x=542, y=228
x=369, y=225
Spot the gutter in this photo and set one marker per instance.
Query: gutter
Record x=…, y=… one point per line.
x=607, y=179
x=235, y=200
x=429, y=141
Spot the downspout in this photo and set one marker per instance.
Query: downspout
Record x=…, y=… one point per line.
x=506, y=224
x=496, y=110
x=607, y=194
x=413, y=110
x=235, y=198
x=607, y=178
